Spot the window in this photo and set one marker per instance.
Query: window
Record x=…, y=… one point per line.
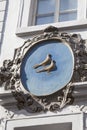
x=37, y=14
x=60, y=126
x=45, y=12
x=73, y=121
x=50, y=11
x=68, y=10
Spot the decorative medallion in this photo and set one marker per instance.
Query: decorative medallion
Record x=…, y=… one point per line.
x=44, y=69
x=47, y=67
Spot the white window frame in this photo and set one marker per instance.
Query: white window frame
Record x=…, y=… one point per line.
x=56, y=12
x=77, y=120
x=27, y=18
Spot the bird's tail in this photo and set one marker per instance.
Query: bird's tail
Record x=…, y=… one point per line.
x=36, y=66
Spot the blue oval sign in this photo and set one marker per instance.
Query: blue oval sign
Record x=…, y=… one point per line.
x=47, y=67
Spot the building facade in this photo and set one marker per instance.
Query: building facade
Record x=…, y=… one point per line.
x=24, y=24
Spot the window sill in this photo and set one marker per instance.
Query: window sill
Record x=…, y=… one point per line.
x=35, y=30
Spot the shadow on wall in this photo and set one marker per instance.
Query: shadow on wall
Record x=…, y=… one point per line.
x=3, y=17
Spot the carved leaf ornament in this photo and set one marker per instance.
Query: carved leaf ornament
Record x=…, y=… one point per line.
x=44, y=69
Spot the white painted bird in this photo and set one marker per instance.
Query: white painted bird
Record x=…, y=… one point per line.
x=48, y=68
x=43, y=63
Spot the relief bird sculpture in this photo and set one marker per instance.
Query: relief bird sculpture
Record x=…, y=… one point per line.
x=48, y=68
x=43, y=63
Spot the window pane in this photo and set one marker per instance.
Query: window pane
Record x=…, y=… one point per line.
x=68, y=16
x=45, y=6
x=44, y=20
x=68, y=4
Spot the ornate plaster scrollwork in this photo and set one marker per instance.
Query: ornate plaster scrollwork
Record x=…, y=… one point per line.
x=10, y=73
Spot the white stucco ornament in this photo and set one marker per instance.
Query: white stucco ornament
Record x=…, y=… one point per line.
x=44, y=69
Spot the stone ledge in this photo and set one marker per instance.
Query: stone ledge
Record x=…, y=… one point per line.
x=79, y=94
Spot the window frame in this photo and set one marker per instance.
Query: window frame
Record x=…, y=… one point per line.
x=57, y=12
x=77, y=120
x=30, y=28
x=42, y=15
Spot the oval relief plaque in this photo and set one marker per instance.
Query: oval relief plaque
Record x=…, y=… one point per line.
x=47, y=67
